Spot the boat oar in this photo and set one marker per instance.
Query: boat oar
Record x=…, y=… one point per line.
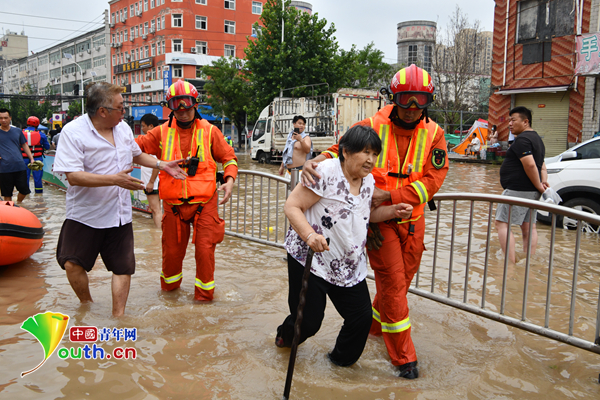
x=298, y=323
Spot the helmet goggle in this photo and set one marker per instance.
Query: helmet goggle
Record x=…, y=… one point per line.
x=181, y=102
x=408, y=99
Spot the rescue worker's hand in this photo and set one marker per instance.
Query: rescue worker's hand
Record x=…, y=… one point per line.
x=379, y=196
x=317, y=243
x=309, y=173
x=226, y=188
x=126, y=181
x=402, y=210
x=374, y=237
x=172, y=168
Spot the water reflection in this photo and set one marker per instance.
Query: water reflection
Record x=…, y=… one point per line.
x=225, y=350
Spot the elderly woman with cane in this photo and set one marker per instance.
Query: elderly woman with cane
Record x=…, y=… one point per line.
x=337, y=207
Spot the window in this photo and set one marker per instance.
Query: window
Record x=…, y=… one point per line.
x=427, y=57
x=137, y=33
x=202, y=2
x=54, y=57
x=230, y=4
x=114, y=62
x=229, y=26
x=153, y=50
x=113, y=39
x=201, y=47
x=153, y=26
x=199, y=73
x=412, y=54
x=256, y=7
x=145, y=5
x=112, y=18
x=177, y=45
x=201, y=22
x=177, y=21
x=132, y=33
x=176, y=1
x=163, y=47
x=153, y=74
x=177, y=72
x=158, y=28
x=84, y=46
x=229, y=50
x=163, y=22
x=152, y=4
x=131, y=10
x=118, y=17
x=124, y=13
x=125, y=36
x=146, y=51
x=255, y=30
x=99, y=41
x=145, y=28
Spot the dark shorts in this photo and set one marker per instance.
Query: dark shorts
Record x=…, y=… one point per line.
x=150, y=192
x=81, y=244
x=10, y=180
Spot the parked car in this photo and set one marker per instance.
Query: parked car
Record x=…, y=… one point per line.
x=575, y=175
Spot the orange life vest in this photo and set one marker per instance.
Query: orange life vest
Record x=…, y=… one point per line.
x=194, y=189
x=33, y=139
x=389, y=174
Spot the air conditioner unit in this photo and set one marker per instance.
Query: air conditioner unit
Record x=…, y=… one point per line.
x=83, y=73
x=111, y=25
x=97, y=48
x=152, y=30
x=118, y=45
x=127, y=56
x=80, y=54
x=138, y=13
x=89, y=51
x=144, y=37
x=74, y=73
x=193, y=50
x=132, y=39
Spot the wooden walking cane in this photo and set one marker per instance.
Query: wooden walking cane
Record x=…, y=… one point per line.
x=298, y=323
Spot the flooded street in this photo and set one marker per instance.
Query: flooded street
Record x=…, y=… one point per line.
x=225, y=349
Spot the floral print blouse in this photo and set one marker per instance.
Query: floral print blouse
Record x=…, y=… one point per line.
x=341, y=217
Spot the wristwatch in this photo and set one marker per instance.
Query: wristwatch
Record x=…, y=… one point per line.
x=158, y=165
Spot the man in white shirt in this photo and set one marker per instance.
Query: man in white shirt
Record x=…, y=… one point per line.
x=474, y=146
x=96, y=154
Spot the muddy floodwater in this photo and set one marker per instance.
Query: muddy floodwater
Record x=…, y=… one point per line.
x=225, y=349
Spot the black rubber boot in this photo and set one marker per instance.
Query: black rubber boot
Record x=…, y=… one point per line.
x=409, y=370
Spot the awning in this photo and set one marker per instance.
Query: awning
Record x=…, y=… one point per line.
x=547, y=89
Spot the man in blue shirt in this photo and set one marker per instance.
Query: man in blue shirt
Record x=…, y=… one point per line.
x=12, y=170
x=37, y=142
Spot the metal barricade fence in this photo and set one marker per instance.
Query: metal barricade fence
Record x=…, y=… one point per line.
x=553, y=295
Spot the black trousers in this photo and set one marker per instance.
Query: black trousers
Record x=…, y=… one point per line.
x=353, y=304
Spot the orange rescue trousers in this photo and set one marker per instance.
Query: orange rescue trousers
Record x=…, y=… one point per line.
x=394, y=265
x=209, y=230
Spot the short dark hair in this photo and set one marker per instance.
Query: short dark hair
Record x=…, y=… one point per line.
x=5, y=110
x=494, y=127
x=357, y=139
x=100, y=94
x=524, y=112
x=298, y=117
x=150, y=119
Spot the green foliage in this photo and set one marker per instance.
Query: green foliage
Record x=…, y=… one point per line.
x=308, y=54
x=365, y=68
x=22, y=108
x=74, y=109
x=228, y=90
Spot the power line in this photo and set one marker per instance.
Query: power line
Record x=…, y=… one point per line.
x=66, y=37
x=43, y=27
x=46, y=17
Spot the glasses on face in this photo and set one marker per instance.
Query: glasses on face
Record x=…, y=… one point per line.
x=120, y=109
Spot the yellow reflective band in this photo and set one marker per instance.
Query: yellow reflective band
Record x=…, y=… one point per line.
x=170, y=148
x=403, y=76
x=376, y=315
x=434, y=132
x=418, y=160
x=205, y=286
x=384, y=135
x=371, y=119
x=199, y=142
x=171, y=279
x=421, y=191
x=331, y=153
x=172, y=90
x=396, y=327
x=425, y=78
x=228, y=163
x=186, y=85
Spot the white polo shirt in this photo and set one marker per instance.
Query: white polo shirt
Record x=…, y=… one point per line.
x=82, y=148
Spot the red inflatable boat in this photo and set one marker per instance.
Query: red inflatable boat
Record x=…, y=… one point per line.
x=21, y=233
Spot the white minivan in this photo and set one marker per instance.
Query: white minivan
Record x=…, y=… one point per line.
x=575, y=175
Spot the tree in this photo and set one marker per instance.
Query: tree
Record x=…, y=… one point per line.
x=306, y=56
x=27, y=105
x=228, y=91
x=74, y=109
x=457, y=63
x=365, y=68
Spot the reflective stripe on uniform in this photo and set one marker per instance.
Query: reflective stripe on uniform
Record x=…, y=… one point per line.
x=228, y=163
x=205, y=286
x=376, y=315
x=331, y=153
x=171, y=279
x=396, y=327
x=421, y=191
x=384, y=135
x=169, y=146
x=419, y=152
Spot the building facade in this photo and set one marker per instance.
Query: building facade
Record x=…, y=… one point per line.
x=534, y=58
x=416, y=43
x=13, y=46
x=149, y=38
x=60, y=69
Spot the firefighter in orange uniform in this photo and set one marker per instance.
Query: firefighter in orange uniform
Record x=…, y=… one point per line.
x=410, y=169
x=192, y=201
x=37, y=142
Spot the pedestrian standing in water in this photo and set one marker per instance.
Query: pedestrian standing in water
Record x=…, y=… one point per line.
x=150, y=175
x=96, y=152
x=336, y=206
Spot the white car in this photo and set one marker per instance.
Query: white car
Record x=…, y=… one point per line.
x=575, y=175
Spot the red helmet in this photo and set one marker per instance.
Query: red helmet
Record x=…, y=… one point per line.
x=33, y=121
x=411, y=87
x=181, y=94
